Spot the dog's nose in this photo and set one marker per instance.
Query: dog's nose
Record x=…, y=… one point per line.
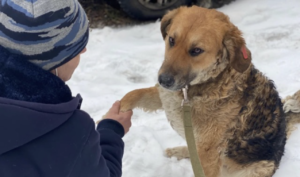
x=166, y=80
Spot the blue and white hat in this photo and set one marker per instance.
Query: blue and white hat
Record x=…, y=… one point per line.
x=48, y=32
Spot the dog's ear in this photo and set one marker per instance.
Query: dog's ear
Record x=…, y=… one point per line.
x=166, y=21
x=239, y=55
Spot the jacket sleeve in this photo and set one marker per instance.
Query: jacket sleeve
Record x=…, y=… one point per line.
x=112, y=145
x=103, y=152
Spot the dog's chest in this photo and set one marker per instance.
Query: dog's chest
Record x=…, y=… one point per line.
x=209, y=116
x=171, y=103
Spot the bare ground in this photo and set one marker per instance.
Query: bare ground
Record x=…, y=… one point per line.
x=101, y=14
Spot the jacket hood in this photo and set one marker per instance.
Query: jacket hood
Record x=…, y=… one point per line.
x=33, y=101
x=22, y=122
x=22, y=80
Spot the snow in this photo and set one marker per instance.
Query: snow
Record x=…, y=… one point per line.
x=123, y=59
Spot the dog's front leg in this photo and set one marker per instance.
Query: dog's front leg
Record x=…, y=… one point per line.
x=148, y=99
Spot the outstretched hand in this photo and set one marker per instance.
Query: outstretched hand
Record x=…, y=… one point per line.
x=124, y=118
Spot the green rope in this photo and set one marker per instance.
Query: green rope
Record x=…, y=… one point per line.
x=190, y=138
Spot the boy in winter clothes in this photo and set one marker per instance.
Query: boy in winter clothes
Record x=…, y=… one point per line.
x=43, y=132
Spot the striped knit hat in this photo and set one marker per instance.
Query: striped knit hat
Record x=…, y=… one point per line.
x=48, y=32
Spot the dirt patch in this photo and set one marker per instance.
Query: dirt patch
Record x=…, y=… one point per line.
x=100, y=14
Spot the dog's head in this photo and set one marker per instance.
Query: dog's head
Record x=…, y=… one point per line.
x=200, y=44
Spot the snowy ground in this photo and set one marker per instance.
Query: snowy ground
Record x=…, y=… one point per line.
x=121, y=60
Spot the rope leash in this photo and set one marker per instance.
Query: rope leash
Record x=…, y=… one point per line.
x=189, y=135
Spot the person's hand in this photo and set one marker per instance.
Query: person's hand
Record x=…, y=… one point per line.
x=124, y=118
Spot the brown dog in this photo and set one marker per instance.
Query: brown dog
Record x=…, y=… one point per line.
x=238, y=119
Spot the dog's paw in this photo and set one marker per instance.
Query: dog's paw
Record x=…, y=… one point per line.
x=179, y=152
x=291, y=105
x=126, y=106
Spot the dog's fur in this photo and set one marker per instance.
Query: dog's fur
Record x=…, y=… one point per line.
x=291, y=108
x=238, y=118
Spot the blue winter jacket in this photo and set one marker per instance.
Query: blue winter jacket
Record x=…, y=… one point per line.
x=43, y=132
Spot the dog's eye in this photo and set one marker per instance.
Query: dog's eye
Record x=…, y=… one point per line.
x=196, y=51
x=171, y=41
